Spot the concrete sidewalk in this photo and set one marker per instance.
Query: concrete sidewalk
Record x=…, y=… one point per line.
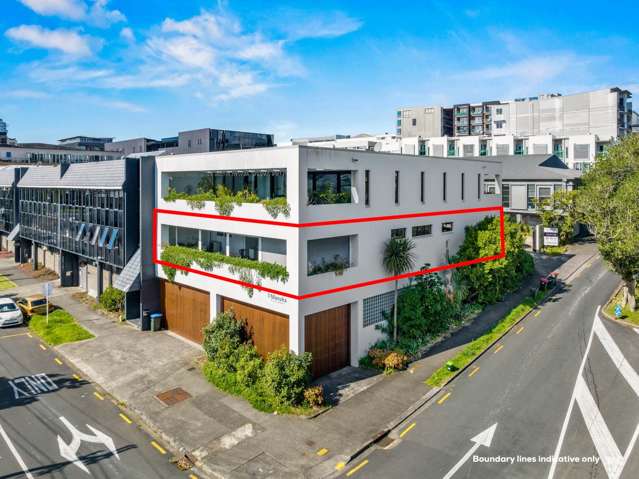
x=226, y=436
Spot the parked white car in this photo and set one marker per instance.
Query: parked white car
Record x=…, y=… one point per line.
x=10, y=314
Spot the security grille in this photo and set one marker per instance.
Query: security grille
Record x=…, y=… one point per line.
x=376, y=306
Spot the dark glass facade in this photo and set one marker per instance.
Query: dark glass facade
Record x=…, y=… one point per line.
x=7, y=215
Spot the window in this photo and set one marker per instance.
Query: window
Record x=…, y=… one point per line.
x=422, y=230
x=444, y=186
x=479, y=186
x=447, y=227
x=499, y=111
x=114, y=237
x=398, y=233
x=367, y=186
x=499, y=124
x=396, y=187
x=189, y=144
x=463, y=186
x=96, y=233
x=545, y=192
x=199, y=141
x=421, y=186
x=103, y=236
x=376, y=306
x=531, y=196
x=80, y=232
x=414, y=122
x=505, y=195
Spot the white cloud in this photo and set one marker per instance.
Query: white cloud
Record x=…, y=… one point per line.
x=66, y=41
x=71, y=9
x=327, y=25
x=97, y=14
x=127, y=34
x=27, y=94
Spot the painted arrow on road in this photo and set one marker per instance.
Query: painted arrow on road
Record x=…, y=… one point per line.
x=484, y=438
x=70, y=451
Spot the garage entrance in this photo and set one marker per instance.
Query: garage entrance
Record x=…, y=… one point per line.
x=186, y=310
x=327, y=337
x=268, y=329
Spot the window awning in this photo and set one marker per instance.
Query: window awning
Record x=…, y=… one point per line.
x=129, y=278
x=14, y=233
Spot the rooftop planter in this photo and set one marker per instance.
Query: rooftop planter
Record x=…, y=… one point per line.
x=225, y=201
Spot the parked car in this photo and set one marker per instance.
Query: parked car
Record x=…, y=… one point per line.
x=36, y=304
x=10, y=314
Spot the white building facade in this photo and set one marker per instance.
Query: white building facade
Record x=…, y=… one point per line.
x=319, y=185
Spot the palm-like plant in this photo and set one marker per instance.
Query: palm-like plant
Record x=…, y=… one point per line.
x=398, y=258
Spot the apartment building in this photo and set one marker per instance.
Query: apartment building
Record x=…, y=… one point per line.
x=424, y=121
x=82, y=221
x=528, y=179
x=576, y=128
x=193, y=141
x=318, y=185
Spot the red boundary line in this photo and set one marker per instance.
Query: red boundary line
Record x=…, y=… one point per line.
x=386, y=279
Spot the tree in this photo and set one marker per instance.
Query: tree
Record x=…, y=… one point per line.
x=398, y=258
x=487, y=282
x=559, y=211
x=609, y=201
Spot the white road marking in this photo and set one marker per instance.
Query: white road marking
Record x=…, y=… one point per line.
x=611, y=457
x=33, y=385
x=484, y=438
x=70, y=451
x=15, y=453
x=636, y=330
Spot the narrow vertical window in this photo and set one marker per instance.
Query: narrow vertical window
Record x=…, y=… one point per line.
x=367, y=186
x=396, y=187
x=444, y=186
x=463, y=186
x=421, y=186
x=479, y=186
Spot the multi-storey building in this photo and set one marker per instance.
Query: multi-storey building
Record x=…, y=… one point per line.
x=425, y=121
x=46, y=154
x=3, y=133
x=85, y=142
x=318, y=184
x=193, y=141
x=576, y=127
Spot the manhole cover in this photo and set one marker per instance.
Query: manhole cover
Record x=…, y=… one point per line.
x=173, y=396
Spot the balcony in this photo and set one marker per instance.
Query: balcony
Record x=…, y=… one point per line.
x=329, y=187
x=461, y=113
x=330, y=255
x=209, y=250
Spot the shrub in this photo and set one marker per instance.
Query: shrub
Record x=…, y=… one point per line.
x=314, y=396
x=223, y=337
x=377, y=356
x=112, y=299
x=249, y=365
x=396, y=361
x=286, y=376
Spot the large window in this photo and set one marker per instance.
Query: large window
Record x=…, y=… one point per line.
x=367, y=187
x=397, y=233
x=329, y=187
x=396, y=187
x=444, y=186
x=422, y=230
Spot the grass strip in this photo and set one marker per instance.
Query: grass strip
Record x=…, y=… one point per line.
x=479, y=345
x=626, y=314
x=61, y=328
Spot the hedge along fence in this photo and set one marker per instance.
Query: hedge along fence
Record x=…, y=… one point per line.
x=479, y=345
x=186, y=257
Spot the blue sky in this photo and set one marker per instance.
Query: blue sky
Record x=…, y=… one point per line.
x=128, y=68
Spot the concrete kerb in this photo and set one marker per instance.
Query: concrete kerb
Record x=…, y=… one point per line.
x=424, y=400
x=615, y=320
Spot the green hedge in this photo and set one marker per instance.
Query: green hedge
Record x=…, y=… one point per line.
x=112, y=300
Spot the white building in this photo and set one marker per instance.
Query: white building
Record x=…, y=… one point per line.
x=576, y=128
x=319, y=185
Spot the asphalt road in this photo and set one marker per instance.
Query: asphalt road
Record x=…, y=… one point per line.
x=41, y=403
x=553, y=388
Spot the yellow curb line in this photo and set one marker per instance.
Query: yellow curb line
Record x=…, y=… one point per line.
x=339, y=466
x=322, y=452
x=76, y=377
x=357, y=468
x=98, y=395
x=473, y=372
x=443, y=398
x=521, y=328
x=407, y=430
x=125, y=418
x=537, y=313
x=158, y=447
x=42, y=347
x=13, y=335
x=499, y=348
x=58, y=361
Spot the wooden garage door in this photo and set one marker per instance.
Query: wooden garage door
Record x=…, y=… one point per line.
x=327, y=337
x=186, y=310
x=268, y=329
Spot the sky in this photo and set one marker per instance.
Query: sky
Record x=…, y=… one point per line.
x=133, y=68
